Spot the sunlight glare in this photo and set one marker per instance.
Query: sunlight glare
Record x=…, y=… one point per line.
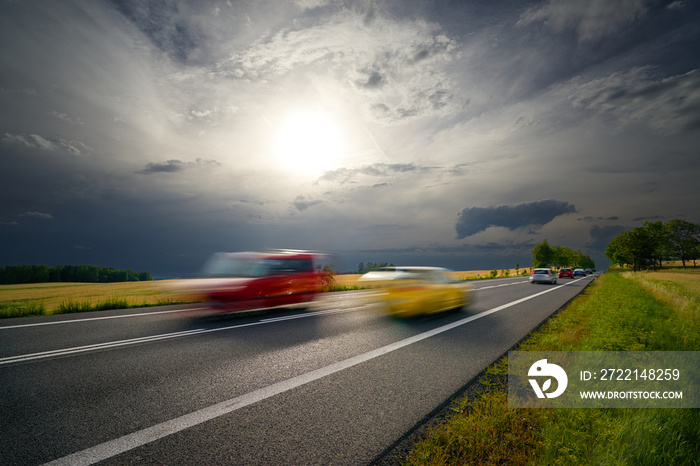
x=309, y=143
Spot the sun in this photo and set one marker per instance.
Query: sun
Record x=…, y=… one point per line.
x=309, y=142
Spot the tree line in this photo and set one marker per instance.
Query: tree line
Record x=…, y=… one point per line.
x=16, y=274
x=363, y=268
x=546, y=255
x=654, y=243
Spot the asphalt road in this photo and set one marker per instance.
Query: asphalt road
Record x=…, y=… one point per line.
x=337, y=383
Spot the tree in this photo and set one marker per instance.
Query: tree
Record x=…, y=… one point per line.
x=660, y=242
x=542, y=255
x=684, y=238
x=585, y=261
x=566, y=257
x=371, y=266
x=617, y=250
x=635, y=247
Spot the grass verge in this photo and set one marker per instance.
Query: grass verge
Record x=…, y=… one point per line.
x=620, y=312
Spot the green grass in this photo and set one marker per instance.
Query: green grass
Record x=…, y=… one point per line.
x=21, y=309
x=617, y=313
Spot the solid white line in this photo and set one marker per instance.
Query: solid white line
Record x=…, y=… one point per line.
x=128, y=442
x=121, y=316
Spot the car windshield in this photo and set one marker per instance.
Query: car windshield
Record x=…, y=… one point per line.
x=542, y=271
x=223, y=265
x=249, y=266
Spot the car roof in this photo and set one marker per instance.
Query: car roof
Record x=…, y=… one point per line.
x=404, y=271
x=272, y=254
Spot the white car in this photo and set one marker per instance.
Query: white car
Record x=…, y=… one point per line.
x=543, y=276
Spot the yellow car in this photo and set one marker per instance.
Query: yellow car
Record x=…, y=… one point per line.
x=412, y=291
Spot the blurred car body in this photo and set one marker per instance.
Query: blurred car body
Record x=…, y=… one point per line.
x=566, y=273
x=579, y=272
x=412, y=291
x=244, y=281
x=543, y=276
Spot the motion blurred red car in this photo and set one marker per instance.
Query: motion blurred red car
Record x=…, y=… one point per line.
x=246, y=281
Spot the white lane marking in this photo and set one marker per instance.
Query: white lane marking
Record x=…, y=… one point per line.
x=139, y=438
x=498, y=286
x=518, y=283
x=164, y=336
x=121, y=316
x=315, y=313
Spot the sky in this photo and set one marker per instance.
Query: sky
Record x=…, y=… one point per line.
x=151, y=134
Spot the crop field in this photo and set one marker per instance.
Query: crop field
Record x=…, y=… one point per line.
x=50, y=298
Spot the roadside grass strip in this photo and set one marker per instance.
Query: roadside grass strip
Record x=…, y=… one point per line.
x=617, y=313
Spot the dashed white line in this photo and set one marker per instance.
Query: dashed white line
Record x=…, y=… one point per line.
x=164, y=336
x=121, y=316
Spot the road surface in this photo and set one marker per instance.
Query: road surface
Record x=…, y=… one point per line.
x=337, y=383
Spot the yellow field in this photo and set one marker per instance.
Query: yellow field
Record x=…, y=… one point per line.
x=51, y=295
x=689, y=279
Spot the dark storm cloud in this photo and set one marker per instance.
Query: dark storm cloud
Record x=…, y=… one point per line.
x=472, y=220
x=594, y=219
x=174, y=166
x=165, y=23
x=602, y=235
x=171, y=166
x=669, y=105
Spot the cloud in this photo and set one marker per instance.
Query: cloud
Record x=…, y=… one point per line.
x=472, y=220
x=350, y=175
x=301, y=203
x=591, y=20
x=174, y=166
x=67, y=118
x=33, y=141
x=37, y=215
x=399, y=69
x=593, y=219
x=669, y=105
x=171, y=166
